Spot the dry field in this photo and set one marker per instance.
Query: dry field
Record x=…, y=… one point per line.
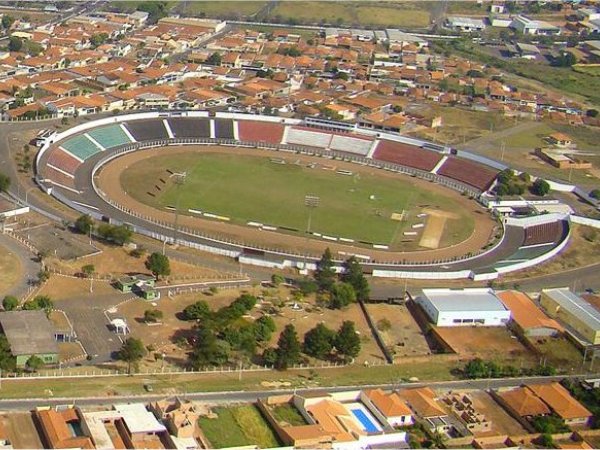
x=484, y=342
x=404, y=338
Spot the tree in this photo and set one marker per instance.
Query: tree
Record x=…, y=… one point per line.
x=277, y=279
x=566, y=59
x=158, y=264
x=7, y=21
x=595, y=194
x=132, y=351
x=7, y=361
x=269, y=356
x=288, y=348
x=342, y=294
x=197, y=311
x=347, y=342
x=208, y=351
x=353, y=275
x=325, y=273
x=39, y=302
x=214, y=59
x=545, y=441
x=264, y=328
x=43, y=276
x=98, y=39
x=153, y=315
x=34, y=363
x=15, y=44
x=84, y=224
x=10, y=303
x=88, y=270
x=307, y=286
x=592, y=113
x=156, y=10
x=121, y=234
x=540, y=187
x=318, y=341
x=4, y=182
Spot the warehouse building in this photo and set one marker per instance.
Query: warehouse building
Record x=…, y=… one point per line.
x=527, y=317
x=582, y=319
x=463, y=307
x=29, y=333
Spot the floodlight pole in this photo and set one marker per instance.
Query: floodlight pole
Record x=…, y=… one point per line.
x=311, y=202
x=179, y=180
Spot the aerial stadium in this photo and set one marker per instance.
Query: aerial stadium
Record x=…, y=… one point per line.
x=275, y=192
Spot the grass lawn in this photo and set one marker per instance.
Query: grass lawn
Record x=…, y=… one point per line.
x=288, y=413
x=248, y=188
x=559, y=352
x=238, y=426
x=353, y=13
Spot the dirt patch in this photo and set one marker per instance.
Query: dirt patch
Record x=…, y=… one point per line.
x=404, y=337
x=10, y=268
x=70, y=351
x=502, y=422
x=115, y=261
x=434, y=229
x=483, y=342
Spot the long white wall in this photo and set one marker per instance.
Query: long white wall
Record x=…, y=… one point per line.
x=525, y=222
x=585, y=221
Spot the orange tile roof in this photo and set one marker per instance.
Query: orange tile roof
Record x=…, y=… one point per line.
x=391, y=405
x=56, y=431
x=525, y=313
x=422, y=401
x=335, y=419
x=560, y=400
x=524, y=402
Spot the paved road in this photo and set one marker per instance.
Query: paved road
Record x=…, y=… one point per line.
x=86, y=313
x=249, y=396
x=28, y=264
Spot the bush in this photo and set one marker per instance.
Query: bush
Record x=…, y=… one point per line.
x=384, y=325
x=153, y=315
x=10, y=303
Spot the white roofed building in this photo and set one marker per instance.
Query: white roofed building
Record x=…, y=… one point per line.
x=463, y=307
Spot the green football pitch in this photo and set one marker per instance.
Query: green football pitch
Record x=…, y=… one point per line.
x=256, y=189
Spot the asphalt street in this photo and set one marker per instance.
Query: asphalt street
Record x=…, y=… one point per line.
x=249, y=396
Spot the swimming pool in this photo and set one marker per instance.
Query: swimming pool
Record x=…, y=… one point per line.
x=365, y=421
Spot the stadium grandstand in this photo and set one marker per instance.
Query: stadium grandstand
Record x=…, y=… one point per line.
x=351, y=144
x=269, y=132
x=147, y=130
x=224, y=129
x=81, y=147
x=308, y=137
x=469, y=172
x=183, y=127
x=546, y=233
x=406, y=155
x=64, y=161
x=111, y=136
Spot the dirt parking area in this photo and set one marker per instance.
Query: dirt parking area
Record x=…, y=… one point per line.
x=502, y=422
x=116, y=261
x=21, y=430
x=58, y=241
x=484, y=342
x=404, y=337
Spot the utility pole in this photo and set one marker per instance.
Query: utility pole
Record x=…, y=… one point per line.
x=311, y=202
x=179, y=181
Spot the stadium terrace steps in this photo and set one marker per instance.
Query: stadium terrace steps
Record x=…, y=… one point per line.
x=223, y=128
x=189, y=127
x=439, y=165
x=63, y=161
x=350, y=144
x=308, y=137
x=260, y=131
x=468, y=172
x=546, y=233
x=110, y=136
x=80, y=147
x=58, y=177
x=406, y=155
x=147, y=130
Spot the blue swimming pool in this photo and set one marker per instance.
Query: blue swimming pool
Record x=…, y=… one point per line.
x=366, y=422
